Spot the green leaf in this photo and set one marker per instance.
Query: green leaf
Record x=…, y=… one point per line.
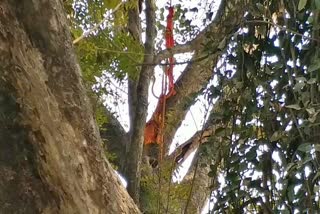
x=304, y=162
x=314, y=67
x=312, y=80
x=243, y=167
x=275, y=136
x=311, y=111
x=317, y=3
x=285, y=212
x=294, y=106
x=221, y=131
x=301, y=79
x=298, y=86
x=312, y=118
x=261, y=8
x=252, y=154
x=317, y=147
x=305, y=147
x=111, y=4
x=310, y=19
x=316, y=177
x=291, y=192
x=290, y=167
x=302, y=4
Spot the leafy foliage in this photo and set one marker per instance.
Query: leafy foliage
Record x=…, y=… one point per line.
x=269, y=107
x=109, y=50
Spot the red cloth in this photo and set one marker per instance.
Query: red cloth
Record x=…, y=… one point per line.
x=152, y=129
x=169, y=29
x=169, y=45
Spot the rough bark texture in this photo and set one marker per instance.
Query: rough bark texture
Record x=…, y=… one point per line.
x=51, y=152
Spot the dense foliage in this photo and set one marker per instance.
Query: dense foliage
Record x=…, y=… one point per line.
x=268, y=113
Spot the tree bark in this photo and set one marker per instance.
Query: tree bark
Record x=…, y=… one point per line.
x=51, y=153
x=134, y=159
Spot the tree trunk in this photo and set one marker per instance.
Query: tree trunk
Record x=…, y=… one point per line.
x=51, y=155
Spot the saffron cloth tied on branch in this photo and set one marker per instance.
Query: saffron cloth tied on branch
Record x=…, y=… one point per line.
x=155, y=126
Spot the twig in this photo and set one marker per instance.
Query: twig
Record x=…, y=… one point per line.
x=96, y=26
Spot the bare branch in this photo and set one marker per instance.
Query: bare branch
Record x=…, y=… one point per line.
x=133, y=170
x=184, y=150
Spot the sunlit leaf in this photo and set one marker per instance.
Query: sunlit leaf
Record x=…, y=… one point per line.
x=294, y=106
x=298, y=86
x=275, y=136
x=302, y=4
x=311, y=111
x=317, y=147
x=312, y=81
x=305, y=147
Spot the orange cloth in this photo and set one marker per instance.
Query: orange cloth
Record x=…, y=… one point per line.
x=153, y=127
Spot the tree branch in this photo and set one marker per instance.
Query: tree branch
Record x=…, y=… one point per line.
x=182, y=48
x=195, y=44
x=133, y=170
x=197, y=74
x=198, y=177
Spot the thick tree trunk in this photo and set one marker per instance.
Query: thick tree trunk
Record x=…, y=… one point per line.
x=51, y=155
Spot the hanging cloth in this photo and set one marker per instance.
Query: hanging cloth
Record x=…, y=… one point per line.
x=155, y=126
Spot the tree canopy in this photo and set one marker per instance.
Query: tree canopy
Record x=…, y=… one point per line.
x=256, y=62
